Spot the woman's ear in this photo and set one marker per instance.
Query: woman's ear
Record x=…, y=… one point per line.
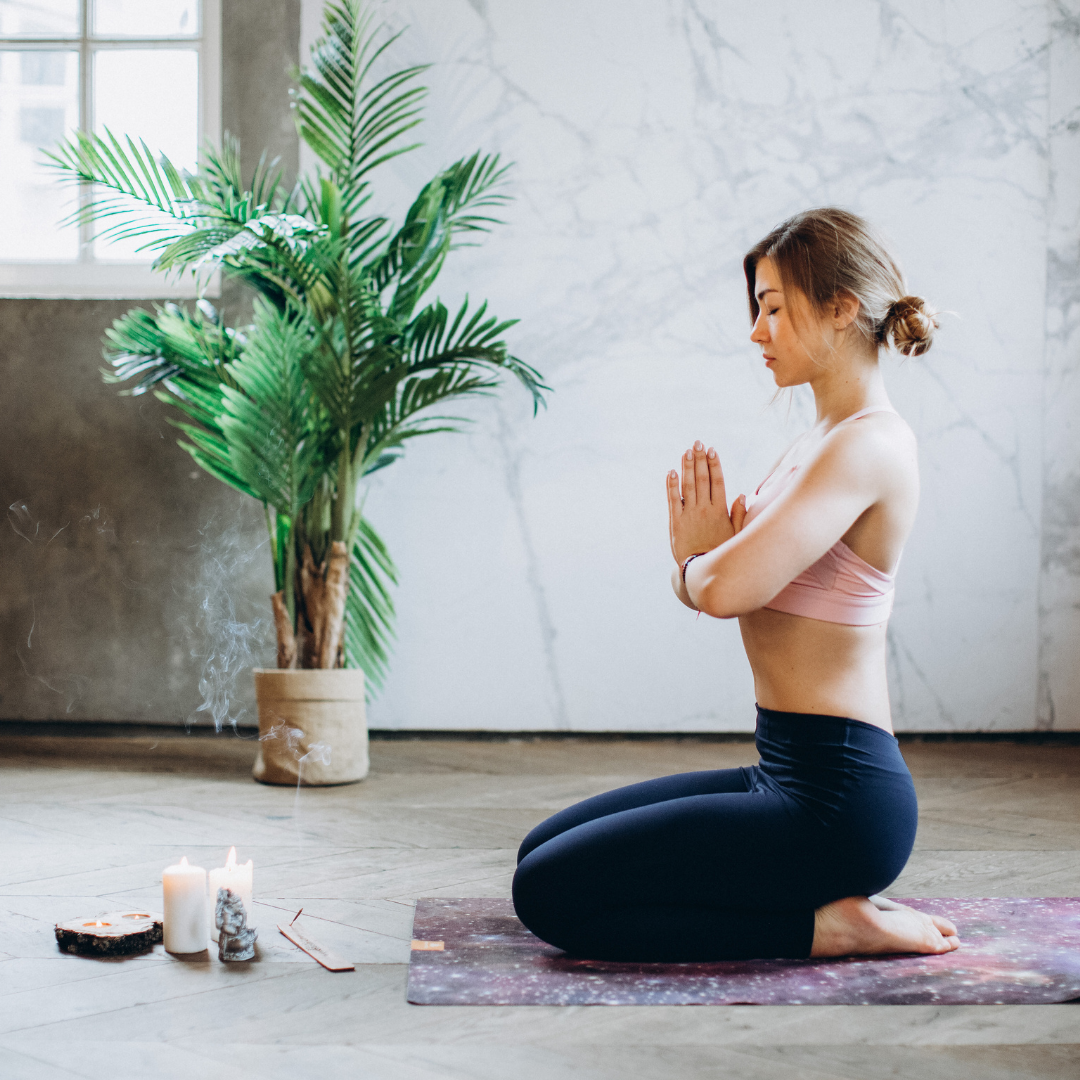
x=845, y=310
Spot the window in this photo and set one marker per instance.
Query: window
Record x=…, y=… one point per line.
x=141, y=68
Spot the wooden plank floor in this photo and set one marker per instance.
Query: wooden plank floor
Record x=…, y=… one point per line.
x=86, y=824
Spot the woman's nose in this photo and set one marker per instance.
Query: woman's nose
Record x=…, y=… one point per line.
x=759, y=335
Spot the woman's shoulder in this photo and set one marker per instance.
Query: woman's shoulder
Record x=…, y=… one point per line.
x=883, y=427
x=879, y=442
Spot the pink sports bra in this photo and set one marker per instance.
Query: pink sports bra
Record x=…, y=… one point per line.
x=840, y=587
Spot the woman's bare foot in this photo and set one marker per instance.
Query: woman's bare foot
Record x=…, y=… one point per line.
x=858, y=926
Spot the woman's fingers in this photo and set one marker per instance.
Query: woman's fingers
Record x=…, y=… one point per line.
x=701, y=475
x=738, y=513
x=689, y=484
x=675, y=509
x=673, y=497
x=716, y=478
x=702, y=478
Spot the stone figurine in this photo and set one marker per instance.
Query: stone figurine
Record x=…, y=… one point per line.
x=237, y=939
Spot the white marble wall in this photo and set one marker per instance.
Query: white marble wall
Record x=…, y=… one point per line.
x=1059, y=671
x=655, y=140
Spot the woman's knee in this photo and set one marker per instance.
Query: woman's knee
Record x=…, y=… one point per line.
x=535, y=903
x=534, y=838
x=553, y=891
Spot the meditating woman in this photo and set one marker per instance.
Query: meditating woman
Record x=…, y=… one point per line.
x=784, y=858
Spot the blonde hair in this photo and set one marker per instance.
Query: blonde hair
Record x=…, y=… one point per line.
x=830, y=252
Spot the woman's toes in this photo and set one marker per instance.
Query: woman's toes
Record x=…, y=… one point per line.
x=946, y=927
x=943, y=934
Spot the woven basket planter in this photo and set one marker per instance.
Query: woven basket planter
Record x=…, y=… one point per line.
x=312, y=727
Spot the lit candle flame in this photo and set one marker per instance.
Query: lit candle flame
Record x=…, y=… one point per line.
x=183, y=861
x=230, y=862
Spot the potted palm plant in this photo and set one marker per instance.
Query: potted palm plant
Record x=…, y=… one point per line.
x=343, y=363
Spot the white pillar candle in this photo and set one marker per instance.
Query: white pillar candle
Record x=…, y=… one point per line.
x=184, y=890
x=237, y=878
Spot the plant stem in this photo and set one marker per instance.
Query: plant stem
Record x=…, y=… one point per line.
x=289, y=584
x=359, y=460
x=274, y=550
x=341, y=517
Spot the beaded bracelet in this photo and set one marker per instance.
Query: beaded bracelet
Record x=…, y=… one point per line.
x=688, y=561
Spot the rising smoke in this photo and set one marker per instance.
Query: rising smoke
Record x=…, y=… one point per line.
x=228, y=633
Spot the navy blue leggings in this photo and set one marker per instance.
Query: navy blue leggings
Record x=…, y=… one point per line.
x=727, y=864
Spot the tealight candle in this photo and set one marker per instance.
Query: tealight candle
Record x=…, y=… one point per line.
x=237, y=878
x=184, y=890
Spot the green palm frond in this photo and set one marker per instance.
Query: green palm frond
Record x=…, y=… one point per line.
x=369, y=612
x=430, y=337
x=290, y=232
x=450, y=204
x=137, y=194
x=211, y=452
x=471, y=187
x=430, y=342
x=354, y=128
x=267, y=185
x=220, y=183
x=271, y=421
x=190, y=221
x=172, y=344
x=407, y=415
x=333, y=373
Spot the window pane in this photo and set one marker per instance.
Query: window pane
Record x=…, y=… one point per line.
x=137, y=18
x=150, y=94
x=39, y=103
x=39, y=18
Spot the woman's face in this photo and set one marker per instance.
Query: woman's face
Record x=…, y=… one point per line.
x=793, y=357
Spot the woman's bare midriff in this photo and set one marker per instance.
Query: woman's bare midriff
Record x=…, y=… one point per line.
x=810, y=666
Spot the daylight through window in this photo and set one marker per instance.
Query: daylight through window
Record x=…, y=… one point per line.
x=134, y=67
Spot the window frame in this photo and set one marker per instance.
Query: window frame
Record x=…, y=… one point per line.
x=86, y=278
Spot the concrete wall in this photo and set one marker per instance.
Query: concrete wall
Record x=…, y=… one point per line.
x=654, y=141
x=133, y=586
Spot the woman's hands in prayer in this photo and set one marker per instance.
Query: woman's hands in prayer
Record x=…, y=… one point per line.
x=698, y=516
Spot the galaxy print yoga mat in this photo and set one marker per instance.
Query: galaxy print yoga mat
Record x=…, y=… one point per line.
x=1014, y=952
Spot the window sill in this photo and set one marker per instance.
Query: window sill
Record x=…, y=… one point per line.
x=97, y=281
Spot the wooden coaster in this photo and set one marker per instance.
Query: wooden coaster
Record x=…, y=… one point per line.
x=117, y=933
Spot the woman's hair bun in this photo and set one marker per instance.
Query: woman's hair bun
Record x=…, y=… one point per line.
x=909, y=325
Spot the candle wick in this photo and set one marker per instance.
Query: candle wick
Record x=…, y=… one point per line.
x=295, y=917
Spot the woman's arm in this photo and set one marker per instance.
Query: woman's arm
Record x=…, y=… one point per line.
x=680, y=588
x=851, y=472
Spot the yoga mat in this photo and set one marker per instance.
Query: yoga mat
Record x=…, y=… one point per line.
x=1013, y=952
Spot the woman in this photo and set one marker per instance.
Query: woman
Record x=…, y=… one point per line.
x=783, y=859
